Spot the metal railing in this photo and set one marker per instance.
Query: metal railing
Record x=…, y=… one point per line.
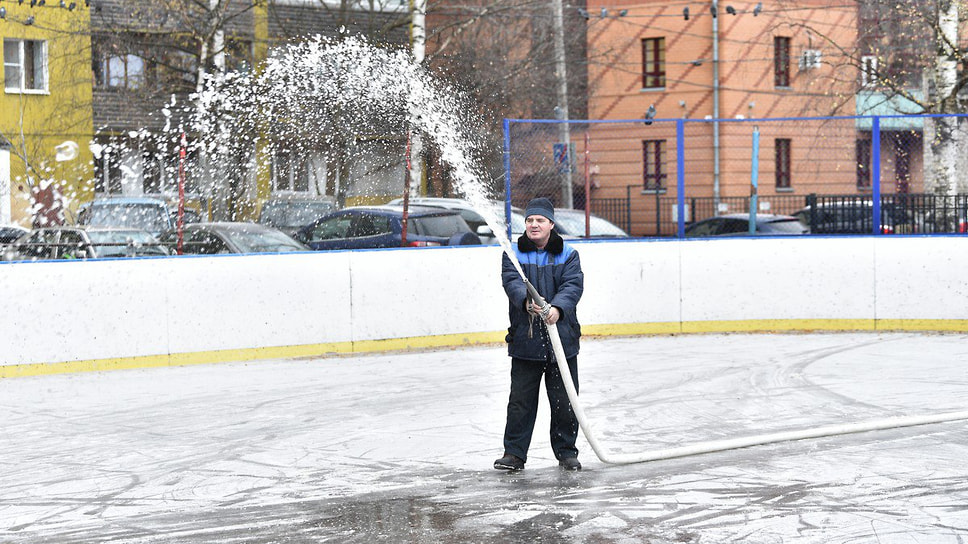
x=653, y=179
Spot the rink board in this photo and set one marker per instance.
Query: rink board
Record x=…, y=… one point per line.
x=111, y=314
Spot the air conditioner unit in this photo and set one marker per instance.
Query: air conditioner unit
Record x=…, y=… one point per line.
x=810, y=59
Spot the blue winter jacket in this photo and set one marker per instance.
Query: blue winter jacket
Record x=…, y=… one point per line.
x=556, y=273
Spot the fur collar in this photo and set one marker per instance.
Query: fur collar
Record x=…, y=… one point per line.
x=555, y=244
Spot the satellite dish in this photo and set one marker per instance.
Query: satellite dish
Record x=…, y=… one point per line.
x=66, y=151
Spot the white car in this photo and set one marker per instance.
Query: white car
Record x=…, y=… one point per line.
x=50, y=243
x=571, y=224
x=473, y=218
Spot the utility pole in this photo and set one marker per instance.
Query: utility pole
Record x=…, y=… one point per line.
x=561, y=74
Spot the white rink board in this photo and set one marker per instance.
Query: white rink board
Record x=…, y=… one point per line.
x=237, y=302
x=922, y=278
x=630, y=282
x=426, y=292
x=809, y=278
x=76, y=310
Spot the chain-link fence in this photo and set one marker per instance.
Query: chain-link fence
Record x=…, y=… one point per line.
x=838, y=175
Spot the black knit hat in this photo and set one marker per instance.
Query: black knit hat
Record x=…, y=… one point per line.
x=541, y=206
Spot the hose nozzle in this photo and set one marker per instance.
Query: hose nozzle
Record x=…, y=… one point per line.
x=545, y=307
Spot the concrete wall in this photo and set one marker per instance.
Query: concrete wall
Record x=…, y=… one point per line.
x=76, y=315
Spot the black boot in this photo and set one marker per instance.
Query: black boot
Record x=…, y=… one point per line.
x=509, y=462
x=569, y=463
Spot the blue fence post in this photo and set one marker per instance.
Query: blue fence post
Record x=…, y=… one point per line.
x=876, y=174
x=507, y=174
x=680, y=177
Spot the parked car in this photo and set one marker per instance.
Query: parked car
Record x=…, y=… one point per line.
x=84, y=243
x=571, y=224
x=10, y=234
x=366, y=227
x=229, y=237
x=289, y=214
x=471, y=215
x=145, y=213
x=191, y=215
x=738, y=224
x=855, y=217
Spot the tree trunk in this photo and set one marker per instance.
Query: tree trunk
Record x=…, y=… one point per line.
x=945, y=144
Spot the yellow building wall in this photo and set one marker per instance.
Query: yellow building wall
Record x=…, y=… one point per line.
x=35, y=122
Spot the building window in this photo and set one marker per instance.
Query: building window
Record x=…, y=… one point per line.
x=653, y=63
x=863, y=164
x=290, y=172
x=24, y=65
x=152, y=172
x=782, y=151
x=107, y=170
x=781, y=61
x=239, y=55
x=868, y=70
x=120, y=72
x=653, y=157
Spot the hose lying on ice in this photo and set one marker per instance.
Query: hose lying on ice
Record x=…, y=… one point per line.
x=725, y=444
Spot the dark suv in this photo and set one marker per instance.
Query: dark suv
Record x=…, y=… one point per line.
x=367, y=227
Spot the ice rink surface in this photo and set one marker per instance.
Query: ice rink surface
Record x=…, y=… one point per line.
x=398, y=448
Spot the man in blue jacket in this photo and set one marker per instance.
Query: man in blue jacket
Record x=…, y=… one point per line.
x=554, y=269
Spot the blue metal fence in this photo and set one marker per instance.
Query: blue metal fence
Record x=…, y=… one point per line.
x=657, y=178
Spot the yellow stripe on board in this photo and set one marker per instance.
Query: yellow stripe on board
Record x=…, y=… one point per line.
x=632, y=329
x=468, y=339
x=779, y=325
x=251, y=354
x=425, y=342
x=41, y=369
x=937, y=325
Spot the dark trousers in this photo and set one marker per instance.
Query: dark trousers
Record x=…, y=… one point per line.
x=523, y=407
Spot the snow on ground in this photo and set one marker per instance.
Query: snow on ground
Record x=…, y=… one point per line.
x=398, y=447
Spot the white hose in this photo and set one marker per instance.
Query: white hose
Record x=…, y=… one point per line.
x=731, y=443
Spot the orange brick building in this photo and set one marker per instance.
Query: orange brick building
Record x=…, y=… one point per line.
x=751, y=65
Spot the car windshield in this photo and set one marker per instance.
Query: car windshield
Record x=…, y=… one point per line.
x=443, y=226
x=149, y=217
x=783, y=226
x=120, y=243
x=294, y=214
x=8, y=235
x=256, y=240
x=517, y=222
x=574, y=224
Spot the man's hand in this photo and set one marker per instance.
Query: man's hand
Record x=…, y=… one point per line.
x=552, y=316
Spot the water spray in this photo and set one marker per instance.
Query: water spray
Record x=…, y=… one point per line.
x=715, y=445
x=327, y=91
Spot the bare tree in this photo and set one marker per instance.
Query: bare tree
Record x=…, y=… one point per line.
x=501, y=53
x=913, y=53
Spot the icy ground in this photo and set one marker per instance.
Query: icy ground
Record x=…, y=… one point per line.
x=398, y=448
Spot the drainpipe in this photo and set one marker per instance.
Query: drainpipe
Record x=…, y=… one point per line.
x=715, y=12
